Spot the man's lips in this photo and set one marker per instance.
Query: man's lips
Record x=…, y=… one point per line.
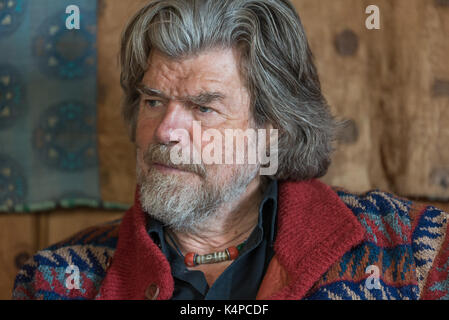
x=164, y=167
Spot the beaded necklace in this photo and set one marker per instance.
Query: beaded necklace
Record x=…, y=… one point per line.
x=192, y=259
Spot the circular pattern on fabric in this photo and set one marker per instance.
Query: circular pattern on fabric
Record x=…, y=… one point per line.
x=66, y=54
x=65, y=136
x=13, y=186
x=11, y=15
x=12, y=96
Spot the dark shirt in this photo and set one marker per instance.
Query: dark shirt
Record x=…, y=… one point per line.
x=242, y=278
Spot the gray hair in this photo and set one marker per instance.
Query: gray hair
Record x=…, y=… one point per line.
x=276, y=62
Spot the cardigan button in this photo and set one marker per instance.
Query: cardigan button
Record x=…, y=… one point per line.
x=109, y=262
x=152, y=292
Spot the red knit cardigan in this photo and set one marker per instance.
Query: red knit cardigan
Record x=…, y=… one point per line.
x=315, y=229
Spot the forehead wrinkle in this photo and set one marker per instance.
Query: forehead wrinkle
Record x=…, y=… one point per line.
x=175, y=73
x=188, y=79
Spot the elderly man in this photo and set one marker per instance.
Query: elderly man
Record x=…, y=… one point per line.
x=221, y=230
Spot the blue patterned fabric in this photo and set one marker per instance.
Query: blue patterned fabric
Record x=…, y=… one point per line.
x=48, y=149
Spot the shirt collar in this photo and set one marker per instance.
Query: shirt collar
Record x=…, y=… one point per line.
x=268, y=209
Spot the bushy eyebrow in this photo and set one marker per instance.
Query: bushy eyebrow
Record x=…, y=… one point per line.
x=151, y=92
x=203, y=98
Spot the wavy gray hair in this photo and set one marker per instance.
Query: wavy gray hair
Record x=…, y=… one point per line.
x=277, y=66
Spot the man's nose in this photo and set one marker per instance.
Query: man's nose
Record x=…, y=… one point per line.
x=175, y=124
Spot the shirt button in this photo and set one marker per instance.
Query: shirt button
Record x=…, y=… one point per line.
x=152, y=292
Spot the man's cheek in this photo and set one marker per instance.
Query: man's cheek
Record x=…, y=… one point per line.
x=145, y=131
x=140, y=159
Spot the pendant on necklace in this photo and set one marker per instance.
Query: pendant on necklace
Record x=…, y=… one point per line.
x=192, y=259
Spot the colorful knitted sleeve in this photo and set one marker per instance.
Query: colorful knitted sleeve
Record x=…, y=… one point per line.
x=430, y=242
x=407, y=241
x=45, y=276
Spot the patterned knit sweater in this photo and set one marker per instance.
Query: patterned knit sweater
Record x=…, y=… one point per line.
x=330, y=244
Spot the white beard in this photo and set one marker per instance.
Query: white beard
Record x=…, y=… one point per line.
x=185, y=206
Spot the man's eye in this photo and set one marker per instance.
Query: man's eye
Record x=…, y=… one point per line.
x=153, y=103
x=204, y=109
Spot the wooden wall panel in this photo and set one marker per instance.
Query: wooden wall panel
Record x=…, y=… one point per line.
x=59, y=225
x=18, y=242
x=393, y=84
x=342, y=57
x=414, y=145
x=116, y=153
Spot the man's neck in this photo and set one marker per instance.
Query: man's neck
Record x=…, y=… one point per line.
x=230, y=227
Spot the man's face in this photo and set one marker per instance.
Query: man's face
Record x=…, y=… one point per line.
x=175, y=93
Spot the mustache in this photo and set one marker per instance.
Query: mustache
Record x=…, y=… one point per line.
x=160, y=154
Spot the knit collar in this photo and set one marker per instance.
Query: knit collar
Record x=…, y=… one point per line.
x=137, y=262
x=315, y=228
